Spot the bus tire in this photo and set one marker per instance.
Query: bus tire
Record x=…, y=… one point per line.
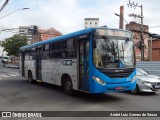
x=30, y=78
x=67, y=86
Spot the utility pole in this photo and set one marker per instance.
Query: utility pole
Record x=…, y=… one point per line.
x=134, y=5
x=121, y=17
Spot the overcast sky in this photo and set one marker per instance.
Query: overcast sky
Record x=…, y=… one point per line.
x=68, y=15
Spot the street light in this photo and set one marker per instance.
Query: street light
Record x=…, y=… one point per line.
x=14, y=11
x=119, y=16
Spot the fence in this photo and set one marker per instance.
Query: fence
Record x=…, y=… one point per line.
x=150, y=66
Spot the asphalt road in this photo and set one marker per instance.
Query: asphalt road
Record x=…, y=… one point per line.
x=16, y=94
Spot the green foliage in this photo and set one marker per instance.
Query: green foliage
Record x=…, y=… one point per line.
x=12, y=44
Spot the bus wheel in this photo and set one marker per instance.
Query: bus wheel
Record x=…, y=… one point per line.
x=30, y=79
x=67, y=85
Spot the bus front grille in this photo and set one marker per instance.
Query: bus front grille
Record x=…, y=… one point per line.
x=117, y=73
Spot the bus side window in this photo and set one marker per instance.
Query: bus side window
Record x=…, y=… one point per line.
x=68, y=49
x=32, y=54
x=71, y=48
x=55, y=50
x=45, y=54
x=26, y=55
x=64, y=49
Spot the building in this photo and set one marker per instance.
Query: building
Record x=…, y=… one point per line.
x=156, y=50
x=136, y=29
x=28, y=31
x=2, y=52
x=155, y=53
x=45, y=34
x=91, y=22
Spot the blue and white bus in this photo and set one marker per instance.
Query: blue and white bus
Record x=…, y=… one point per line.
x=93, y=60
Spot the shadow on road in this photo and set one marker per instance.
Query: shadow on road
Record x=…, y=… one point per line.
x=103, y=97
x=143, y=93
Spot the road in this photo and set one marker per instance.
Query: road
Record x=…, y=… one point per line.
x=16, y=94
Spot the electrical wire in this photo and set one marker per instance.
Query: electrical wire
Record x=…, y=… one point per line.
x=3, y=6
x=9, y=6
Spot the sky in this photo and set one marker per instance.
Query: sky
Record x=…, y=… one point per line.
x=68, y=15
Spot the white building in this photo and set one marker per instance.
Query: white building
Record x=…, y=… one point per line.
x=28, y=31
x=91, y=22
x=2, y=52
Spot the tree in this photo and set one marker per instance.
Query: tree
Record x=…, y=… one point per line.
x=12, y=44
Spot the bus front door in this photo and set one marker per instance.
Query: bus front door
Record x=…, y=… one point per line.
x=84, y=65
x=38, y=64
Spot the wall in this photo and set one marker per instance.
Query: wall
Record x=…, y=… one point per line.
x=149, y=66
x=156, y=50
x=91, y=22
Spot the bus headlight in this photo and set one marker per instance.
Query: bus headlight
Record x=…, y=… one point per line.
x=99, y=80
x=134, y=78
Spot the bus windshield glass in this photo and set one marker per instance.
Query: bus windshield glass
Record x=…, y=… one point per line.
x=116, y=51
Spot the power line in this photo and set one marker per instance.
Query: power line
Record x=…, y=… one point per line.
x=5, y=3
x=9, y=6
x=135, y=5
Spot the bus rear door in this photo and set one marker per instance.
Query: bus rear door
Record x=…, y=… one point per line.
x=38, y=63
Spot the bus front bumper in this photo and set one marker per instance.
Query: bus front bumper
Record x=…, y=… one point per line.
x=121, y=87
x=112, y=87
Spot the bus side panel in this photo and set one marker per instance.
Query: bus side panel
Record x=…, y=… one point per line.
x=69, y=67
x=26, y=64
x=47, y=71
x=20, y=66
x=29, y=65
x=52, y=71
x=32, y=68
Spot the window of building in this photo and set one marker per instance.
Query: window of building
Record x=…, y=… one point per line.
x=21, y=31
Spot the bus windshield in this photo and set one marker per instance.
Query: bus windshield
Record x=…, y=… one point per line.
x=113, y=52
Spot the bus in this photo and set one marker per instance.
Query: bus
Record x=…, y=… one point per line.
x=93, y=60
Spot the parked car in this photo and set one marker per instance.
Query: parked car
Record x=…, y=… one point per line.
x=6, y=59
x=146, y=82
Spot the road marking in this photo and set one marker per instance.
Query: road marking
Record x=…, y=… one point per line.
x=13, y=74
x=7, y=71
x=5, y=76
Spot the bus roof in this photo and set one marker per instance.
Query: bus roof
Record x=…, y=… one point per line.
x=63, y=37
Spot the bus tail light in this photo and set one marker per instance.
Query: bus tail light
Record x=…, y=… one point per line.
x=99, y=80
